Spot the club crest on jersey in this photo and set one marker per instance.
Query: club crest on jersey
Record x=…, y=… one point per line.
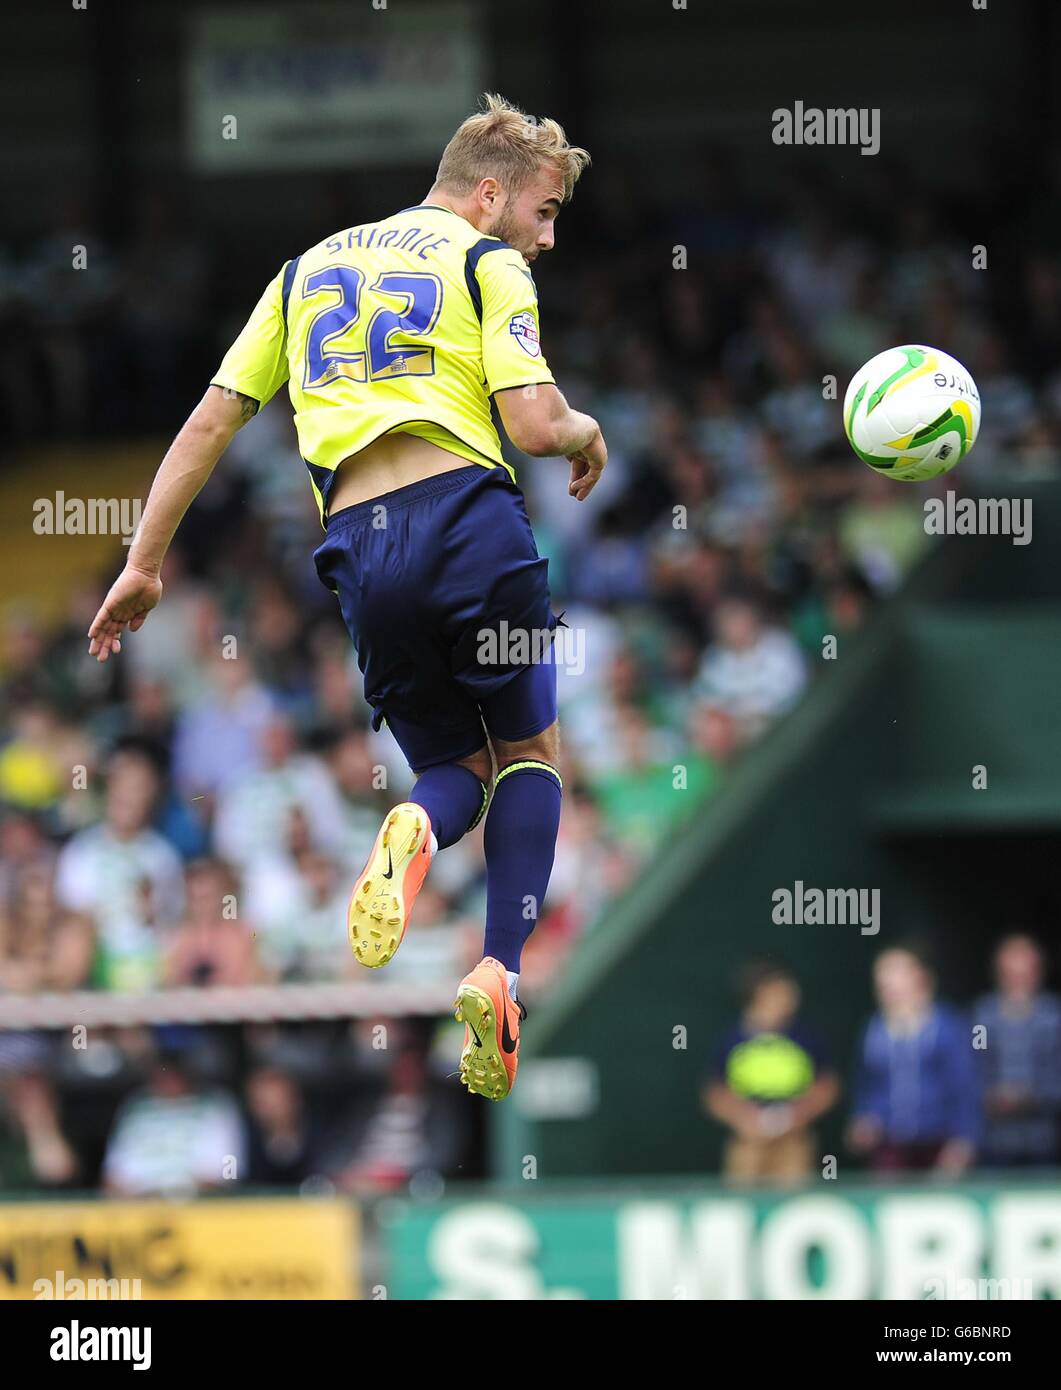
x=525, y=331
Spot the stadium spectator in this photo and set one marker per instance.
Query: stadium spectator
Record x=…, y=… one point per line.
x=852, y=333
x=1007, y=401
x=31, y=764
x=124, y=875
x=24, y=846
x=409, y=1127
x=175, y=651
x=769, y=1082
x=42, y=948
x=301, y=915
x=1019, y=1060
x=754, y=671
x=173, y=1136
x=149, y=711
x=652, y=785
x=219, y=736
x=34, y=1151
x=362, y=785
x=254, y=811
x=916, y=1103
x=211, y=946
x=881, y=534
x=284, y=1141
x=714, y=736
x=281, y=649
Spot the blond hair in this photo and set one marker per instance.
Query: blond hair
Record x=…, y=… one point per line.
x=504, y=143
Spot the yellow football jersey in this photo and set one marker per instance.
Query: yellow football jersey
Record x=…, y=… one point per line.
x=410, y=323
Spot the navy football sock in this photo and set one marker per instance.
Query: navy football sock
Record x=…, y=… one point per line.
x=453, y=797
x=520, y=842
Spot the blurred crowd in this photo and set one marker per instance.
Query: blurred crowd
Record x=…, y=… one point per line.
x=371, y=1108
x=192, y=813
x=363, y=1108
x=932, y=1087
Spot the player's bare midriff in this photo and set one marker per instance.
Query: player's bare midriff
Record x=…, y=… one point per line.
x=393, y=461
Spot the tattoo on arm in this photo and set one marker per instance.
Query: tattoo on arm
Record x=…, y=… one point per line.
x=248, y=406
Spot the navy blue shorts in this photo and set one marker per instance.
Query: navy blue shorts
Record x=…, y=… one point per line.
x=447, y=600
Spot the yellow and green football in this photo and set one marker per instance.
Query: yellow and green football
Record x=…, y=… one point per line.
x=912, y=413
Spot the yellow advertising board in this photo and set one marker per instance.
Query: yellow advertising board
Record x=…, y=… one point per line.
x=279, y=1248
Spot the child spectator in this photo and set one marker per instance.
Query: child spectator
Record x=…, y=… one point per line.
x=770, y=1082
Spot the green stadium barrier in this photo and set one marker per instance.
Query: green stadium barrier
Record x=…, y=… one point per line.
x=915, y=1241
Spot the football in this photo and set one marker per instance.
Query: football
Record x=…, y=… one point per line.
x=912, y=413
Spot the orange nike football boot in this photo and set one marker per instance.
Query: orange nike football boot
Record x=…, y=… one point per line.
x=383, y=896
x=491, y=1019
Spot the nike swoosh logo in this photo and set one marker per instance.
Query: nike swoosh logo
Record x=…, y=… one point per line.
x=475, y=1035
x=390, y=864
x=508, y=1042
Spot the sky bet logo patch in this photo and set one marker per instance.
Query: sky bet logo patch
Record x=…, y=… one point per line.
x=525, y=331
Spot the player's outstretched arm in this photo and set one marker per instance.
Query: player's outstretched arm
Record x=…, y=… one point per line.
x=190, y=460
x=541, y=423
